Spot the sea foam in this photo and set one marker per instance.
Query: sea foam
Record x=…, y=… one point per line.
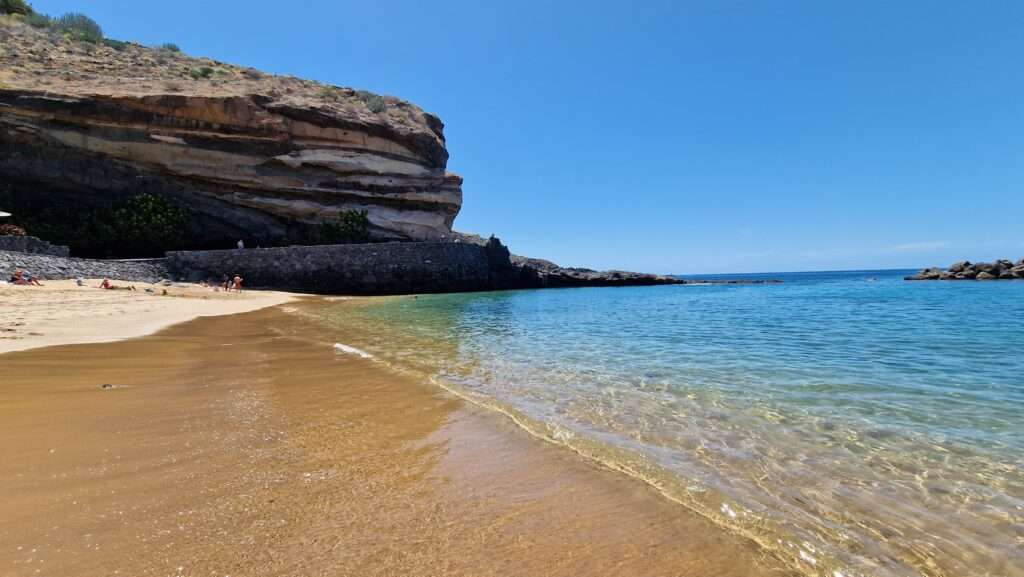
x=342, y=348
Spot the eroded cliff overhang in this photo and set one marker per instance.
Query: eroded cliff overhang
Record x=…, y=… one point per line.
x=241, y=161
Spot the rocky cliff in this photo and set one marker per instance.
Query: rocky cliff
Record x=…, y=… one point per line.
x=249, y=155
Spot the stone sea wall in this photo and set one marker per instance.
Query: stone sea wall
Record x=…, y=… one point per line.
x=394, y=268
x=381, y=268
x=31, y=244
x=49, y=267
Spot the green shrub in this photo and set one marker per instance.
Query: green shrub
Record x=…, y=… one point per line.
x=169, y=47
x=148, y=224
x=118, y=45
x=38, y=20
x=204, y=72
x=350, y=226
x=16, y=7
x=79, y=27
x=329, y=93
x=374, y=102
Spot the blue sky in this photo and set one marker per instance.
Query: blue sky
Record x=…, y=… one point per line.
x=677, y=137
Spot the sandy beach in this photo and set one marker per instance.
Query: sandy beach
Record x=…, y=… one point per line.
x=246, y=445
x=61, y=312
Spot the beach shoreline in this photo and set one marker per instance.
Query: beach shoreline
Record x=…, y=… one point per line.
x=62, y=313
x=247, y=444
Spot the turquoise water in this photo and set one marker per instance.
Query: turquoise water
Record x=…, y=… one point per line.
x=851, y=423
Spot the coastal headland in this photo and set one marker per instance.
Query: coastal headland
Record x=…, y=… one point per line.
x=120, y=150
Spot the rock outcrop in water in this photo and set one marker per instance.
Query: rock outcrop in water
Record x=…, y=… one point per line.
x=966, y=270
x=250, y=155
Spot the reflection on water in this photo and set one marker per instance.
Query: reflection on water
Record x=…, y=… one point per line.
x=850, y=427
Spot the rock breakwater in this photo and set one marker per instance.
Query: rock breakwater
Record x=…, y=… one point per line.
x=965, y=270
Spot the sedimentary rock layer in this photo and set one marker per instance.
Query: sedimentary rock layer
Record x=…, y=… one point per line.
x=249, y=155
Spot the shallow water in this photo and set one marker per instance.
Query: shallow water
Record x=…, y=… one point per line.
x=851, y=423
x=248, y=445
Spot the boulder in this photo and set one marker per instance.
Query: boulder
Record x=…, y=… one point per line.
x=985, y=275
x=959, y=266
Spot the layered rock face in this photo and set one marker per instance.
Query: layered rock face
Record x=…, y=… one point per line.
x=249, y=155
x=965, y=270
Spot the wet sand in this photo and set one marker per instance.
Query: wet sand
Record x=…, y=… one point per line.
x=244, y=445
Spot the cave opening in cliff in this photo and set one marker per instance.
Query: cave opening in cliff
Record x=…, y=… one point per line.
x=125, y=225
x=141, y=223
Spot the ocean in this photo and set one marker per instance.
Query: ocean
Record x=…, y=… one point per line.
x=851, y=423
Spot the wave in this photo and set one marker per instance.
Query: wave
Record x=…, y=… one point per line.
x=343, y=348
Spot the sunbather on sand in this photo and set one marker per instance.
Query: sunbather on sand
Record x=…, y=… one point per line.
x=24, y=278
x=106, y=284
x=29, y=279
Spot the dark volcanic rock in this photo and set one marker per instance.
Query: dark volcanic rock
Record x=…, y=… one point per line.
x=31, y=244
x=48, y=267
x=1001, y=269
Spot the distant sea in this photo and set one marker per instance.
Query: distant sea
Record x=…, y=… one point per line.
x=852, y=423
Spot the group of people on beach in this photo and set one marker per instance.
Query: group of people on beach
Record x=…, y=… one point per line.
x=23, y=277
x=227, y=283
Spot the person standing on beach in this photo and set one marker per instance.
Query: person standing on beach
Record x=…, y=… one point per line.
x=237, y=283
x=225, y=282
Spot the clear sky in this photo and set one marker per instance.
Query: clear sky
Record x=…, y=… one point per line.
x=676, y=137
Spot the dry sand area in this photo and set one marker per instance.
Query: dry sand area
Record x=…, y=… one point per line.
x=60, y=312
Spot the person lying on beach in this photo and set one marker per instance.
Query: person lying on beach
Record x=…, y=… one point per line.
x=29, y=279
x=106, y=284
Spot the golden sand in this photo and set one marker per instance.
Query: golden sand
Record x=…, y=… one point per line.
x=244, y=445
x=60, y=312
